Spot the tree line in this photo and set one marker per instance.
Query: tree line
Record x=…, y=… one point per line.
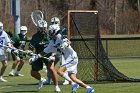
x=115, y=16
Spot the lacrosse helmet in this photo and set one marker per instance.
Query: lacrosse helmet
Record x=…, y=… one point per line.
x=53, y=29
x=55, y=20
x=1, y=26
x=23, y=30
x=42, y=26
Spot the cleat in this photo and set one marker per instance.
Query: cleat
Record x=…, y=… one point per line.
x=66, y=82
x=40, y=84
x=74, y=87
x=90, y=90
x=57, y=89
x=3, y=80
x=19, y=75
x=11, y=74
x=47, y=82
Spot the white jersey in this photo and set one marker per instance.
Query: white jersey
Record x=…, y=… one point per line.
x=4, y=40
x=54, y=45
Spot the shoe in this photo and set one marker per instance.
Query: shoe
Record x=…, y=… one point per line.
x=19, y=74
x=40, y=84
x=74, y=87
x=3, y=80
x=47, y=82
x=11, y=74
x=57, y=89
x=66, y=82
x=90, y=90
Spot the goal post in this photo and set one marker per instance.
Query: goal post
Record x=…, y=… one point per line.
x=94, y=64
x=76, y=28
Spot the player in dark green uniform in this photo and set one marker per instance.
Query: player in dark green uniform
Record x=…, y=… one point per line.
x=39, y=41
x=19, y=42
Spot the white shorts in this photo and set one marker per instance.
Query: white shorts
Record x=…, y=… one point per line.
x=3, y=57
x=71, y=66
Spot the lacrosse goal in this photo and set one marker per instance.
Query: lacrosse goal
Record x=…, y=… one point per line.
x=94, y=64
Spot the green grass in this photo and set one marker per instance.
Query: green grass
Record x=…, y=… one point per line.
x=26, y=84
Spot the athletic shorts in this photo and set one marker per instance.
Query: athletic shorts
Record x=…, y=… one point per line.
x=71, y=65
x=38, y=64
x=3, y=57
x=21, y=55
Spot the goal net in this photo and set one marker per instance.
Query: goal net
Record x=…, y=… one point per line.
x=94, y=64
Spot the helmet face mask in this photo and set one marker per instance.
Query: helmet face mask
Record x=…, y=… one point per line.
x=42, y=30
x=53, y=29
x=23, y=30
x=42, y=26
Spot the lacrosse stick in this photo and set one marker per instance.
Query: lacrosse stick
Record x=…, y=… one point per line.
x=36, y=15
x=26, y=52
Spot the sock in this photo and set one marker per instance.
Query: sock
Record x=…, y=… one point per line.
x=12, y=70
x=42, y=79
x=66, y=76
x=49, y=77
x=88, y=87
x=17, y=72
x=57, y=86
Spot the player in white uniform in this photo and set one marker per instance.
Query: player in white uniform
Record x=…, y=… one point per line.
x=4, y=40
x=69, y=58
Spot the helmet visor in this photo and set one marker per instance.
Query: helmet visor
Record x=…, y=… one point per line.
x=54, y=22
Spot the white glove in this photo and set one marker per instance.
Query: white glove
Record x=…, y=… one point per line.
x=51, y=58
x=29, y=52
x=33, y=58
x=9, y=50
x=16, y=51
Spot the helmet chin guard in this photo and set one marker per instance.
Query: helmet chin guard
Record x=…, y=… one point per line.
x=23, y=30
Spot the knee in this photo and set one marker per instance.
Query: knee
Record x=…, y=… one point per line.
x=59, y=72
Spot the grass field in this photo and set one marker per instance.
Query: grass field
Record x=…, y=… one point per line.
x=26, y=84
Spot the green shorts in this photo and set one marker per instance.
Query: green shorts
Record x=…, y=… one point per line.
x=38, y=64
x=21, y=55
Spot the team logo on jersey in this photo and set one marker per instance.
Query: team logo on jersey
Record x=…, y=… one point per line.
x=44, y=43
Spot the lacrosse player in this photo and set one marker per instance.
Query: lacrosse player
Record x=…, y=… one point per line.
x=56, y=21
x=68, y=56
x=4, y=40
x=39, y=41
x=19, y=42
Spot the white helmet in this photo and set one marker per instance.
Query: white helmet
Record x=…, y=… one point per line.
x=23, y=30
x=42, y=23
x=55, y=20
x=53, y=29
x=1, y=26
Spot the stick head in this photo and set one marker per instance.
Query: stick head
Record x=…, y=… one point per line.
x=36, y=15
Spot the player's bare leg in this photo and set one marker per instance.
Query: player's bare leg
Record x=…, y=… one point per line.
x=54, y=76
x=62, y=72
x=11, y=73
x=19, y=68
x=3, y=68
x=82, y=84
x=37, y=76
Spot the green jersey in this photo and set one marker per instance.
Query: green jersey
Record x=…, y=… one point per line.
x=19, y=41
x=39, y=42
